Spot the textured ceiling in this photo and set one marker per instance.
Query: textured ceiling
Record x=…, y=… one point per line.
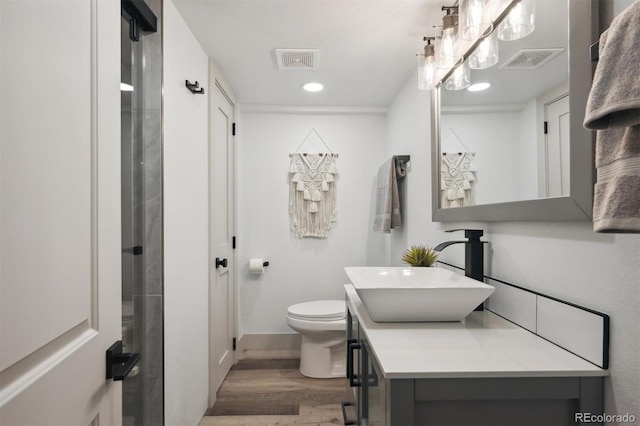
x=367, y=47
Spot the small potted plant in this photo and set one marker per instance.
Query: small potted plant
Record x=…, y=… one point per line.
x=420, y=256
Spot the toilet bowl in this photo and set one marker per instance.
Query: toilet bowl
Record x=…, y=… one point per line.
x=322, y=324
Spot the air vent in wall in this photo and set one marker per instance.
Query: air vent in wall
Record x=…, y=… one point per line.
x=297, y=59
x=529, y=59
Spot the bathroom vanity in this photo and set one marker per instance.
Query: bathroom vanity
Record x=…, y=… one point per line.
x=483, y=370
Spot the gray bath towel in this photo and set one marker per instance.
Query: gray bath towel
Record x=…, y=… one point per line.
x=613, y=109
x=388, y=213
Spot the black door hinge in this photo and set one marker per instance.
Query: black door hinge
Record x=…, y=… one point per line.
x=233, y=242
x=136, y=251
x=546, y=127
x=233, y=342
x=139, y=16
x=233, y=129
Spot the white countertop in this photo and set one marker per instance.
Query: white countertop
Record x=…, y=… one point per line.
x=484, y=345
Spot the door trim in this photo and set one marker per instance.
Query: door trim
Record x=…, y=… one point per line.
x=233, y=314
x=220, y=86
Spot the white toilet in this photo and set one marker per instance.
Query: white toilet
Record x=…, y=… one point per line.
x=322, y=324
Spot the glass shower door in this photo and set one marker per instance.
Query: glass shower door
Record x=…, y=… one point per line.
x=142, y=283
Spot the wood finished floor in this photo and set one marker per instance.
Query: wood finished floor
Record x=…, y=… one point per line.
x=265, y=388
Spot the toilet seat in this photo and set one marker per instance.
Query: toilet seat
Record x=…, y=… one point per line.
x=319, y=310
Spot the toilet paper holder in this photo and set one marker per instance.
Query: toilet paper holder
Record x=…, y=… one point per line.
x=257, y=265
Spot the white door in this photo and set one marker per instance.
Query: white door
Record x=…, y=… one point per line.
x=59, y=211
x=557, y=147
x=222, y=211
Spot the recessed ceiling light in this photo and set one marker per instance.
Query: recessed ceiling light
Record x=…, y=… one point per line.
x=312, y=87
x=478, y=87
x=124, y=87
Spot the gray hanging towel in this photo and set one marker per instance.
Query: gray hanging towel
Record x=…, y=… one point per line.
x=388, y=214
x=613, y=109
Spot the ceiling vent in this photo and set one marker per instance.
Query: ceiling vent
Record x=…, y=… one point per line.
x=297, y=59
x=529, y=59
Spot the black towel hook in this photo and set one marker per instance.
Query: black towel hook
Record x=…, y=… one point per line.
x=194, y=88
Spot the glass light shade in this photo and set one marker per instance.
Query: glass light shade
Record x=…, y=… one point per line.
x=520, y=22
x=460, y=79
x=497, y=7
x=447, y=43
x=427, y=69
x=485, y=54
x=475, y=18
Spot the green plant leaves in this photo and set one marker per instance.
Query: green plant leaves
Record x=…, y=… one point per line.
x=420, y=256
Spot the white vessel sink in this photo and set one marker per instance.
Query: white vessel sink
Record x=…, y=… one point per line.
x=404, y=294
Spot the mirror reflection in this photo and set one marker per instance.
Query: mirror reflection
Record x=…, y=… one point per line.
x=506, y=136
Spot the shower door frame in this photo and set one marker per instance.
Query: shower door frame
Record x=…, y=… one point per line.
x=142, y=212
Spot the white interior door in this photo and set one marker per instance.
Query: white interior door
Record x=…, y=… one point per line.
x=557, y=147
x=59, y=211
x=222, y=207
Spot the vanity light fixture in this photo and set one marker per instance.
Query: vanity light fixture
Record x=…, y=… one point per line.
x=460, y=79
x=427, y=66
x=476, y=28
x=446, y=43
x=124, y=87
x=520, y=22
x=477, y=87
x=485, y=54
x=313, y=87
x=475, y=18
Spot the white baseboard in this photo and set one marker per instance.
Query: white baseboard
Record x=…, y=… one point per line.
x=271, y=341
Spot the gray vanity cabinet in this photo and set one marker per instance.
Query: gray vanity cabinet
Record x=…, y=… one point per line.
x=374, y=389
x=365, y=378
x=377, y=401
x=354, y=393
x=492, y=401
x=462, y=401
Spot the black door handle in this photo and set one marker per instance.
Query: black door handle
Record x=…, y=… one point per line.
x=354, y=380
x=222, y=263
x=120, y=364
x=350, y=358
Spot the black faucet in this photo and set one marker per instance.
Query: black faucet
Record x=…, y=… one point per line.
x=473, y=253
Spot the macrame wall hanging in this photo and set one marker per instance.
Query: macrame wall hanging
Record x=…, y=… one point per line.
x=458, y=177
x=312, y=191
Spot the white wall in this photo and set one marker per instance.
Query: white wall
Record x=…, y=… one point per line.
x=186, y=244
x=565, y=260
x=309, y=268
x=495, y=138
x=408, y=132
x=529, y=160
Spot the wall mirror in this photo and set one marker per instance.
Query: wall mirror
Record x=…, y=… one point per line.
x=518, y=151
